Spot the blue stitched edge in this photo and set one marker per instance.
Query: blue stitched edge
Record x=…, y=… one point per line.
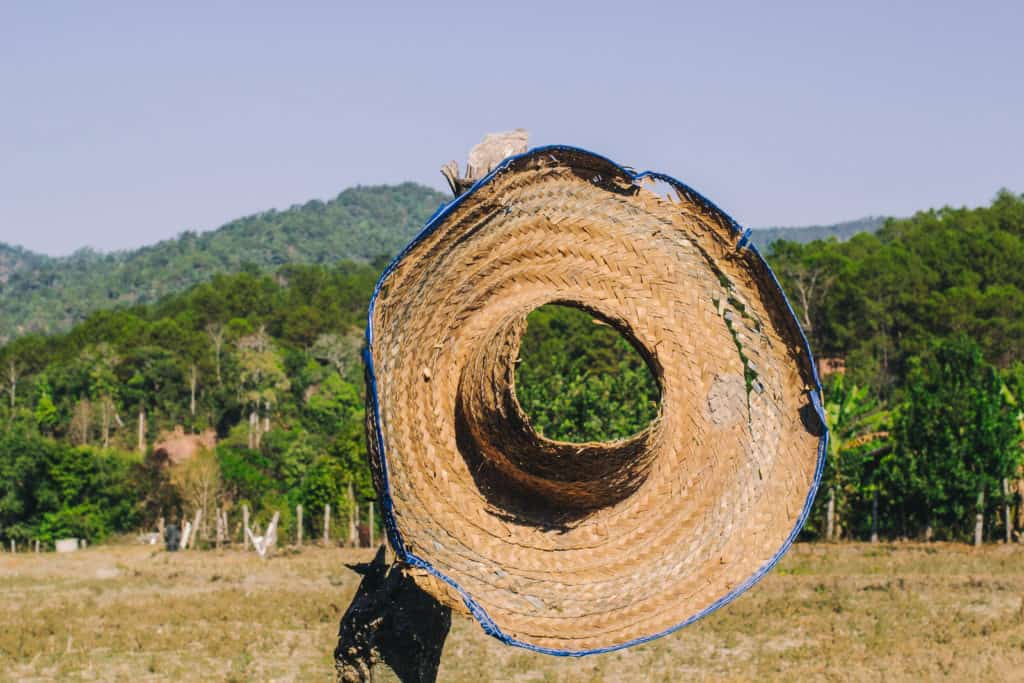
x=387, y=505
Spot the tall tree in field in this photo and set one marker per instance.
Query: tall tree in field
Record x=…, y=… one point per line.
x=957, y=437
x=13, y=373
x=340, y=350
x=215, y=332
x=808, y=271
x=103, y=386
x=263, y=379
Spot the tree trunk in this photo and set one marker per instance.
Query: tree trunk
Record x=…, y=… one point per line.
x=245, y=527
x=105, y=402
x=830, y=516
x=298, y=526
x=253, y=443
x=216, y=333
x=193, y=379
x=12, y=376
x=979, y=520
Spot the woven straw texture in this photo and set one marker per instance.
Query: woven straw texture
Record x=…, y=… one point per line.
x=577, y=548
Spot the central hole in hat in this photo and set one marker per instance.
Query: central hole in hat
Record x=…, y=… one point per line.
x=579, y=380
x=582, y=381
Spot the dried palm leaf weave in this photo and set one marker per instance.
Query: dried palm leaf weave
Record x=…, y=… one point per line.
x=569, y=548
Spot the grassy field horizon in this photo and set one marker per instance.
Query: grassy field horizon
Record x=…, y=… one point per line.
x=828, y=612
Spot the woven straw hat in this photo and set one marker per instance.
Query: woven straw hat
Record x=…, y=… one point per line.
x=580, y=548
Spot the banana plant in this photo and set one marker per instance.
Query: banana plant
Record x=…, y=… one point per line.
x=857, y=420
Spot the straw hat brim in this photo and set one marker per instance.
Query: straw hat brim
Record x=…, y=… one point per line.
x=582, y=548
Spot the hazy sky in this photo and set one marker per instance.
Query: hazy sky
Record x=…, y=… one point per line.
x=121, y=125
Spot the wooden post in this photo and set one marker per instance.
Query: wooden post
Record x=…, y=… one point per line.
x=874, y=517
x=298, y=525
x=195, y=529
x=220, y=528
x=245, y=527
x=831, y=516
x=979, y=520
x=373, y=541
x=327, y=523
x=393, y=629
x=1006, y=511
x=353, y=536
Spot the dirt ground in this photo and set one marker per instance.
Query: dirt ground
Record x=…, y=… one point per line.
x=828, y=612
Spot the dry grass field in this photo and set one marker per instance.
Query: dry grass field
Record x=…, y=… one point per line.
x=840, y=612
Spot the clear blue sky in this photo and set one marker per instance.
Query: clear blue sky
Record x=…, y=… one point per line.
x=121, y=125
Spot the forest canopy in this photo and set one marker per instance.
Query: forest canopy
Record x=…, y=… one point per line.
x=926, y=316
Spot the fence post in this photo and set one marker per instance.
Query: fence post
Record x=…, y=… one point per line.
x=220, y=528
x=1006, y=511
x=979, y=520
x=373, y=541
x=245, y=527
x=353, y=535
x=298, y=525
x=831, y=515
x=327, y=523
x=192, y=541
x=875, y=517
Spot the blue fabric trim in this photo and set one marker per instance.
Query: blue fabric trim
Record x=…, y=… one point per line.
x=744, y=239
x=387, y=505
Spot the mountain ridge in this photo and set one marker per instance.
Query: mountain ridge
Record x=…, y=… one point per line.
x=42, y=293
x=763, y=237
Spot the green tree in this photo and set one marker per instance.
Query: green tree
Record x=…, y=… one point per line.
x=957, y=439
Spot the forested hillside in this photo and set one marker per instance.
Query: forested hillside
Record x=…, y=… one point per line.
x=268, y=363
x=927, y=315
x=41, y=294
x=15, y=260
